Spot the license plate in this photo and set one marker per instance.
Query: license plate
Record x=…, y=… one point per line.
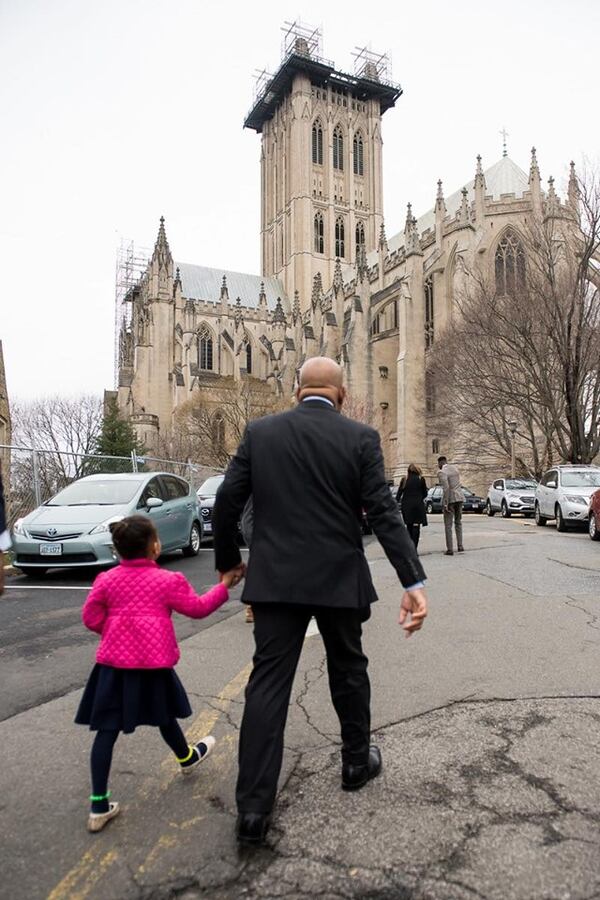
x=208, y=526
x=51, y=549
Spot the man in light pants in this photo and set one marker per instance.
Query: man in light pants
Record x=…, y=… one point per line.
x=452, y=503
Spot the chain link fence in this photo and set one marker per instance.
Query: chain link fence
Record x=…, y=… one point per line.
x=32, y=476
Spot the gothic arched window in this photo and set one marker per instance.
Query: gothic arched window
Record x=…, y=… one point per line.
x=509, y=265
x=218, y=432
x=429, y=324
x=359, y=237
x=318, y=233
x=205, y=349
x=248, y=358
x=317, y=143
x=358, y=154
x=339, y=237
x=338, y=149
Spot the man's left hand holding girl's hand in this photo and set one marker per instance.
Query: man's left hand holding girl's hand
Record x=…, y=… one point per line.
x=234, y=576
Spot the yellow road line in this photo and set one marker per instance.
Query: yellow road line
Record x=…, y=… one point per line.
x=91, y=868
x=80, y=880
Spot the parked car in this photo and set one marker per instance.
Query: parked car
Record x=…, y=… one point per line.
x=564, y=494
x=594, y=517
x=206, y=498
x=433, y=500
x=473, y=502
x=511, y=495
x=72, y=528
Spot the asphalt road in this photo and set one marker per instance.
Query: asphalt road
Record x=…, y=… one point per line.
x=489, y=723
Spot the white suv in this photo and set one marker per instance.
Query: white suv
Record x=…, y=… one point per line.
x=511, y=495
x=564, y=494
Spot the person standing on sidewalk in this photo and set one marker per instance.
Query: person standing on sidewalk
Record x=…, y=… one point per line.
x=411, y=500
x=310, y=472
x=452, y=503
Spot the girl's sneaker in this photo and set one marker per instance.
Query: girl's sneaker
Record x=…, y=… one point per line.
x=97, y=821
x=199, y=753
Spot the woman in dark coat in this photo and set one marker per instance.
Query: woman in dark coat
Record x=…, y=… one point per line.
x=411, y=499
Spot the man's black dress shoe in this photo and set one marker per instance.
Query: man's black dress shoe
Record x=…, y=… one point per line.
x=355, y=777
x=252, y=827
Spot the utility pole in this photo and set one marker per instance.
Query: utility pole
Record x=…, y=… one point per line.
x=512, y=427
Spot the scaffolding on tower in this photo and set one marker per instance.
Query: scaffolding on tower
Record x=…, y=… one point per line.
x=372, y=65
x=302, y=39
x=132, y=262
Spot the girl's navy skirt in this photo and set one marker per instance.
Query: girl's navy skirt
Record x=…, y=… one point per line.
x=122, y=699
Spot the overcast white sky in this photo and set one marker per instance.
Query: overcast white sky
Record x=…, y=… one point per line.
x=118, y=112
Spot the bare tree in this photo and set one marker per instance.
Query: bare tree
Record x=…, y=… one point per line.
x=526, y=358
x=67, y=428
x=208, y=432
x=358, y=409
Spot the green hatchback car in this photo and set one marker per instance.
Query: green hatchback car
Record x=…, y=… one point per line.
x=72, y=528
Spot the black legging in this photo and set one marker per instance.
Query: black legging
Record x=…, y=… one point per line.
x=415, y=532
x=102, y=751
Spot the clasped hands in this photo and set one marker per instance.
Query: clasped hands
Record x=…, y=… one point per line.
x=233, y=576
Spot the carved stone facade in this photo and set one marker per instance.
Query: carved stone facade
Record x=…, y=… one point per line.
x=332, y=282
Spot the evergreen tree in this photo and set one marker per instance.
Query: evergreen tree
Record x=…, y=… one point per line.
x=117, y=438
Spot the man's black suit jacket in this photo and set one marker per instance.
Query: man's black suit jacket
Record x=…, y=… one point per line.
x=310, y=471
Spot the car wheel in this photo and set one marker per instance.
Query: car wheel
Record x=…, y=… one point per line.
x=429, y=508
x=193, y=547
x=506, y=513
x=32, y=571
x=593, y=530
x=561, y=525
x=539, y=518
x=489, y=510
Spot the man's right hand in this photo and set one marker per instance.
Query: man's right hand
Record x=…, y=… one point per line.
x=413, y=610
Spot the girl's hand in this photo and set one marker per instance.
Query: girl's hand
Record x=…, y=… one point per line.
x=234, y=576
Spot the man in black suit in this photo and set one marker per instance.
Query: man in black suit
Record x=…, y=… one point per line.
x=310, y=471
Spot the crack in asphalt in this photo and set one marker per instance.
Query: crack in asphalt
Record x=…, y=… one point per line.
x=591, y=622
x=569, y=565
x=498, y=581
x=303, y=693
x=249, y=881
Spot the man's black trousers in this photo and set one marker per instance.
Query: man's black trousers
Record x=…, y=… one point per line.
x=279, y=632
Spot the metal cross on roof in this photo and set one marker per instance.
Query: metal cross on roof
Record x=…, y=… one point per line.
x=504, y=134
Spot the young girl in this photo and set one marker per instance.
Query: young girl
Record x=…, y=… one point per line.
x=133, y=682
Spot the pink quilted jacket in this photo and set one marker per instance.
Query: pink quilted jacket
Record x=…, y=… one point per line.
x=131, y=606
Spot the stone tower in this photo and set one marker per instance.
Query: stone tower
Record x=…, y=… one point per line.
x=321, y=173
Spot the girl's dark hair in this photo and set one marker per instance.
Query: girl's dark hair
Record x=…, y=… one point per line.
x=132, y=536
x=413, y=469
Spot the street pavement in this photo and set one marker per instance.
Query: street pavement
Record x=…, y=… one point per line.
x=488, y=721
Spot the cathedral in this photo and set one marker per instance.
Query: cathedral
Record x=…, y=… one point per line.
x=332, y=282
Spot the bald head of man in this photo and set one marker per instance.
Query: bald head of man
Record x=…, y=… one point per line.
x=322, y=377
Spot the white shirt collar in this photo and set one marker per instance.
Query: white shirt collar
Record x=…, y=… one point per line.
x=316, y=397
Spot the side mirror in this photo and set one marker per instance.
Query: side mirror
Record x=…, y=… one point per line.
x=153, y=503
x=552, y=484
